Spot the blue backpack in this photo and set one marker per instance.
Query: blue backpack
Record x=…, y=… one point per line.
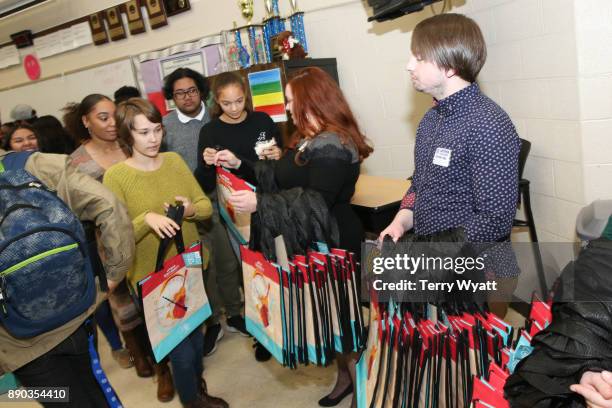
x=46, y=277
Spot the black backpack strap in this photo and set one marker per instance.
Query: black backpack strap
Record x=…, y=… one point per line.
x=15, y=160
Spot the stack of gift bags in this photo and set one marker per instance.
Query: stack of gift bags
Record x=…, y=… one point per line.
x=305, y=312
x=422, y=355
x=303, y=309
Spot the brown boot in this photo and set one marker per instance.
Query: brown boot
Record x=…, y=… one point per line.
x=123, y=358
x=165, y=387
x=208, y=401
x=141, y=361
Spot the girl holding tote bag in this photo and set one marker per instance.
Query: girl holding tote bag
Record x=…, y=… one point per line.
x=148, y=182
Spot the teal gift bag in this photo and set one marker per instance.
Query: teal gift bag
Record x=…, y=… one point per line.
x=8, y=382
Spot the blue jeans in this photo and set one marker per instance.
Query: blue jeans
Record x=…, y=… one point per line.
x=104, y=318
x=187, y=366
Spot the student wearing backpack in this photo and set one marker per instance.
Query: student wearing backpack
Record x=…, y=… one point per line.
x=56, y=355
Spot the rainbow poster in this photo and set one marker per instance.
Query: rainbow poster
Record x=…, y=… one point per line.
x=267, y=92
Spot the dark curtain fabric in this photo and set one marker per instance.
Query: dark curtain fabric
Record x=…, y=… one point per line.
x=300, y=215
x=579, y=338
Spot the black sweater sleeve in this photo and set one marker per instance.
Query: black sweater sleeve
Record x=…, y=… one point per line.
x=328, y=167
x=205, y=174
x=275, y=131
x=246, y=170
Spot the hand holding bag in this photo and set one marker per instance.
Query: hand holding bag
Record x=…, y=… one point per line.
x=173, y=297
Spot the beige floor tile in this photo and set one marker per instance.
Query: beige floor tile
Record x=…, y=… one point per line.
x=232, y=373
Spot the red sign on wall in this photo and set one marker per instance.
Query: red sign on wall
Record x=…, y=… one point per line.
x=31, y=66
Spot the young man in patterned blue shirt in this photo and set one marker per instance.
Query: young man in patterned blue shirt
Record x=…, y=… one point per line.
x=466, y=150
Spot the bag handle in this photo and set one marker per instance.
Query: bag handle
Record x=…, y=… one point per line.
x=175, y=213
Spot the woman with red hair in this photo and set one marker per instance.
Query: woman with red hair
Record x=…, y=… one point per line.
x=329, y=148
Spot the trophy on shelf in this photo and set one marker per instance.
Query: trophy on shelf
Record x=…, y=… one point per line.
x=273, y=25
x=267, y=28
x=246, y=8
x=232, y=48
x=297, y=25
x=251, y=35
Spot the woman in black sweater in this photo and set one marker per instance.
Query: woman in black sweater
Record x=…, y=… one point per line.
x=234, y=134
x=326, y=160
x=239, y=137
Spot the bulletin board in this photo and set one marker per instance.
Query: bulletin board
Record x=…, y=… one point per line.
x=49, y=96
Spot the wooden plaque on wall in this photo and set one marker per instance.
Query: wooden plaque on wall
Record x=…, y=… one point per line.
x=176, y=6
x=98, y=30
x=157, y=13
x=134, y=15
x=116, y=29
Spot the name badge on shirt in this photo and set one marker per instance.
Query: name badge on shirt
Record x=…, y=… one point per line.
x=442, y=157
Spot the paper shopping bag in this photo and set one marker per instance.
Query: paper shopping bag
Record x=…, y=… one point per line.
x=262, y=304
x=238, y=223
x=174, y=300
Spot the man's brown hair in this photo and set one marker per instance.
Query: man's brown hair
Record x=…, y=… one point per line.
x=124, y=118
x=451, y=41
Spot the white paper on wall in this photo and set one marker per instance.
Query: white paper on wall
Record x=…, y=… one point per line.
x=9, y=56
x=81, y=34
x=67, y=37
x=48, y=45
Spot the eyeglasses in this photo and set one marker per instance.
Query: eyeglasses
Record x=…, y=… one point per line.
x=182, y=94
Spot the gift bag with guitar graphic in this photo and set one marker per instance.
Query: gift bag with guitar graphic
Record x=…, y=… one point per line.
x=173, y=297
x=262, y=306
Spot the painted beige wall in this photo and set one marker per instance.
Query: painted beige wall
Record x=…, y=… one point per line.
x=549, y=66
x=205, y=18
x=593, y=39
x=532, y=72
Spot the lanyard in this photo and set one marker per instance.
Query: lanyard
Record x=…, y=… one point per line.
x=98, y=372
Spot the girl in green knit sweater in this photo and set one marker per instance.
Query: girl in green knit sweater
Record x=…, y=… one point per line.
x=147, y=182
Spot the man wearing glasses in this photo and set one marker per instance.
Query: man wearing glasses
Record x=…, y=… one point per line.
x=189, y=91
